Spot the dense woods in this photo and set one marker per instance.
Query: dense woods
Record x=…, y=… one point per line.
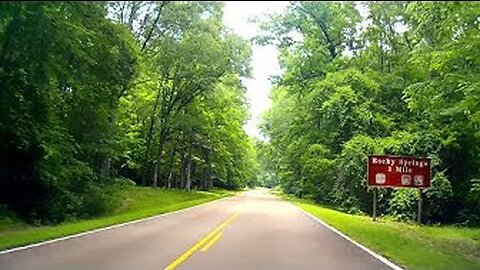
x=99, y=94
x=377, y=78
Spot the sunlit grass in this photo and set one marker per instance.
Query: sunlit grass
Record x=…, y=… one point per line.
x=408, y=245
x=138, y=202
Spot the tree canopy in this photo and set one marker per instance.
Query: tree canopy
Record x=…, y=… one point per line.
x=96, y=95
x=97, y=92
x=377, y=78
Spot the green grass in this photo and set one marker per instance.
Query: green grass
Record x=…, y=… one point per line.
x=407, y=245
x=138, y=202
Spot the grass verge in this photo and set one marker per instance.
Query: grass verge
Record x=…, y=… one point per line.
x=407, y=245
x=137, y=202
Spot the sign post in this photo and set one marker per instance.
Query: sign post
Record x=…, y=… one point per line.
x=398, y=172
x=419, y=210
x=374, y=208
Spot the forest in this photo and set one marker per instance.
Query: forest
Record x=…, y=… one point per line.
x=98, y=95
x=102, y=94
x=397, y=78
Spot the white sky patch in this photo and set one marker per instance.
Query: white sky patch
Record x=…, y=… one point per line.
x=264, y=58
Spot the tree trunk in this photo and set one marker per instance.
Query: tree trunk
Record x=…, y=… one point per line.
x=155, y=175
x=188, y=182
x=105, y=167
x=170, y=166
x=163, y=139
x=169, y=179
x=323, y=27
x=183, y=172
x=150, y=32
x=206, y=181
x=209, y=177
x=149, y=139
x=203, y=179
x=210, y=182
x=193, y=173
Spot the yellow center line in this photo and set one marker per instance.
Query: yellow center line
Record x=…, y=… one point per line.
x=200, y=243
x=211, y=242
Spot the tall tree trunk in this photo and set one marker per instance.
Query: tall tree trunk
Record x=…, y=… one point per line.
x=194, y=173
x=173, y=181
x=203, y=179
x=157, y=170
x=183, y=171
x=149, y=139
x=163, y=140
x=209, y=168
x=206, y=181
x=187, y=167
x=169, y=179
x=170, y=166
x=155, y=175
x=188, y=182
x=210, y=182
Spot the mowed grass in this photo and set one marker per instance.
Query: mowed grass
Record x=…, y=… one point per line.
x=407, y=245
x=137, y=202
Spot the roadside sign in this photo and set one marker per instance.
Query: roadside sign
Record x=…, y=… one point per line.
x=398, y=171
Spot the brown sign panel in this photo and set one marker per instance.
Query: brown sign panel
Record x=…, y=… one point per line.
x=398, y=171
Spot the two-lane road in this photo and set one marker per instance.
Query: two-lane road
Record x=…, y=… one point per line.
x=254, y=230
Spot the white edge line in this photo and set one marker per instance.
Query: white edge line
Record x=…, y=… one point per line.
x=377, y=256
x=107, y=228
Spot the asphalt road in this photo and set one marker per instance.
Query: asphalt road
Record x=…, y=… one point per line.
x=254, y=230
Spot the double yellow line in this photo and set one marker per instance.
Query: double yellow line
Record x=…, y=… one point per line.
x=206, y=242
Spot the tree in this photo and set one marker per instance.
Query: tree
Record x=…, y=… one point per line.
x=186, y=58
x=399, y=80
x=58, y=105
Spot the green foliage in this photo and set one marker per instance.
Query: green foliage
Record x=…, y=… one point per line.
x=439, y=197
x=152, y=93
x=405, y=83
x=57, y=104
x=403, y=203
x=350, y=189
x=182, y=125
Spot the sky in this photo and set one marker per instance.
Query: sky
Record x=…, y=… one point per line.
x=264, y=58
